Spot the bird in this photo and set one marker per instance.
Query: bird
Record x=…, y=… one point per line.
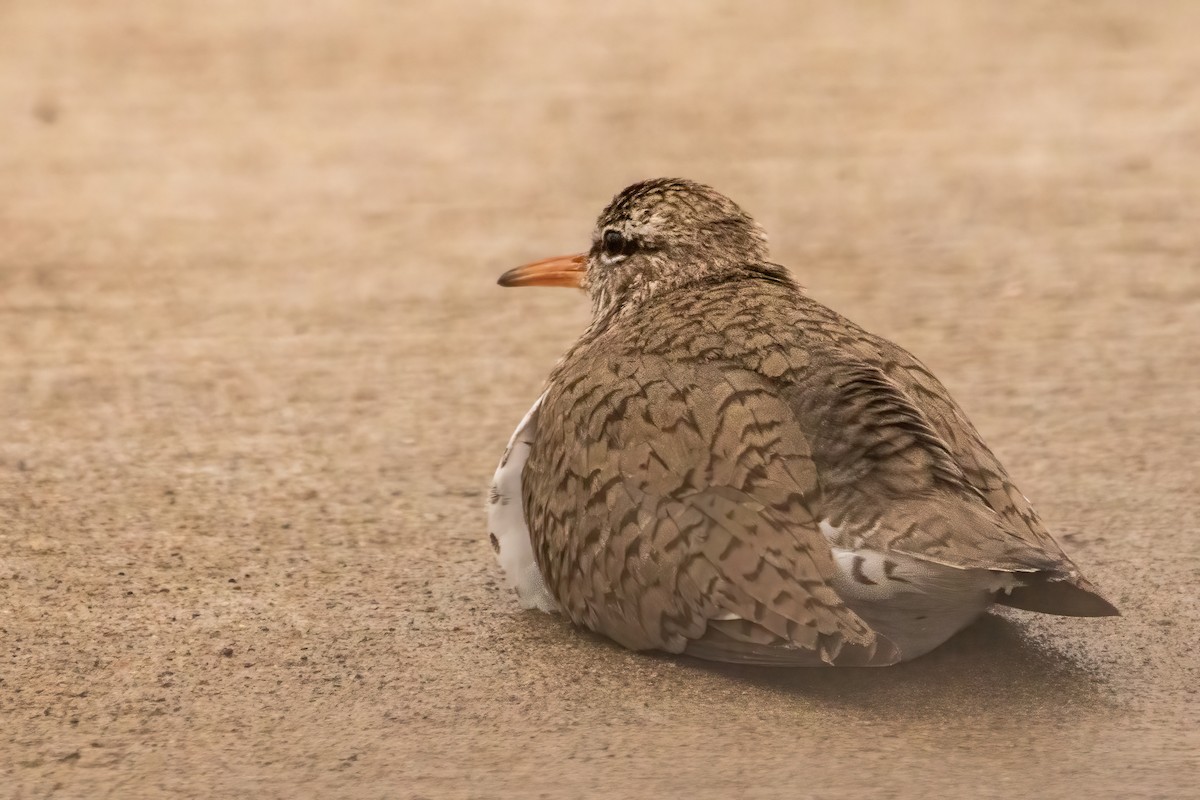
x=723, y=467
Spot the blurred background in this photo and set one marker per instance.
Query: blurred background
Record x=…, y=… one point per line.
x=255, y=373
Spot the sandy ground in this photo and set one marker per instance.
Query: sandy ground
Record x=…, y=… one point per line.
x=255, y=375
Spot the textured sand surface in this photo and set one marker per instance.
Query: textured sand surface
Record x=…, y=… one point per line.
x=255, y=375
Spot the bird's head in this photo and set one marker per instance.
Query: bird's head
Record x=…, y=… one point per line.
x=654, y=235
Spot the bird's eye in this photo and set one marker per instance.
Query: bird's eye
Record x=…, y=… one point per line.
x=615, y=244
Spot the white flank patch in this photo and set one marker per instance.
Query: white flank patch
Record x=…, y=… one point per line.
x=506, y=519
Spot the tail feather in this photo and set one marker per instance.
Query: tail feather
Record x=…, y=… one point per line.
x=1053, y=594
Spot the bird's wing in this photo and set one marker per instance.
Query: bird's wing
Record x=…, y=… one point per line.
x=980, y=466
x=670, y=508
x=889, y=481
x=904, y=470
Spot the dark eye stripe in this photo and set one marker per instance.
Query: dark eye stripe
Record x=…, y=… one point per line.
x=613, y=243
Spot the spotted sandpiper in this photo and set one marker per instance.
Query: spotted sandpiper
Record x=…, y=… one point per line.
x=724, y=467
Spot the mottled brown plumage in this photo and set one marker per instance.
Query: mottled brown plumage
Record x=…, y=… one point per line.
x=718, y=453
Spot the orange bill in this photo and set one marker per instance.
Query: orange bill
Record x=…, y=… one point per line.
x=558, y=271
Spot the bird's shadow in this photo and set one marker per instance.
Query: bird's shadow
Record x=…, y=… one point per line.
x=992, y=666
x=999, y=667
